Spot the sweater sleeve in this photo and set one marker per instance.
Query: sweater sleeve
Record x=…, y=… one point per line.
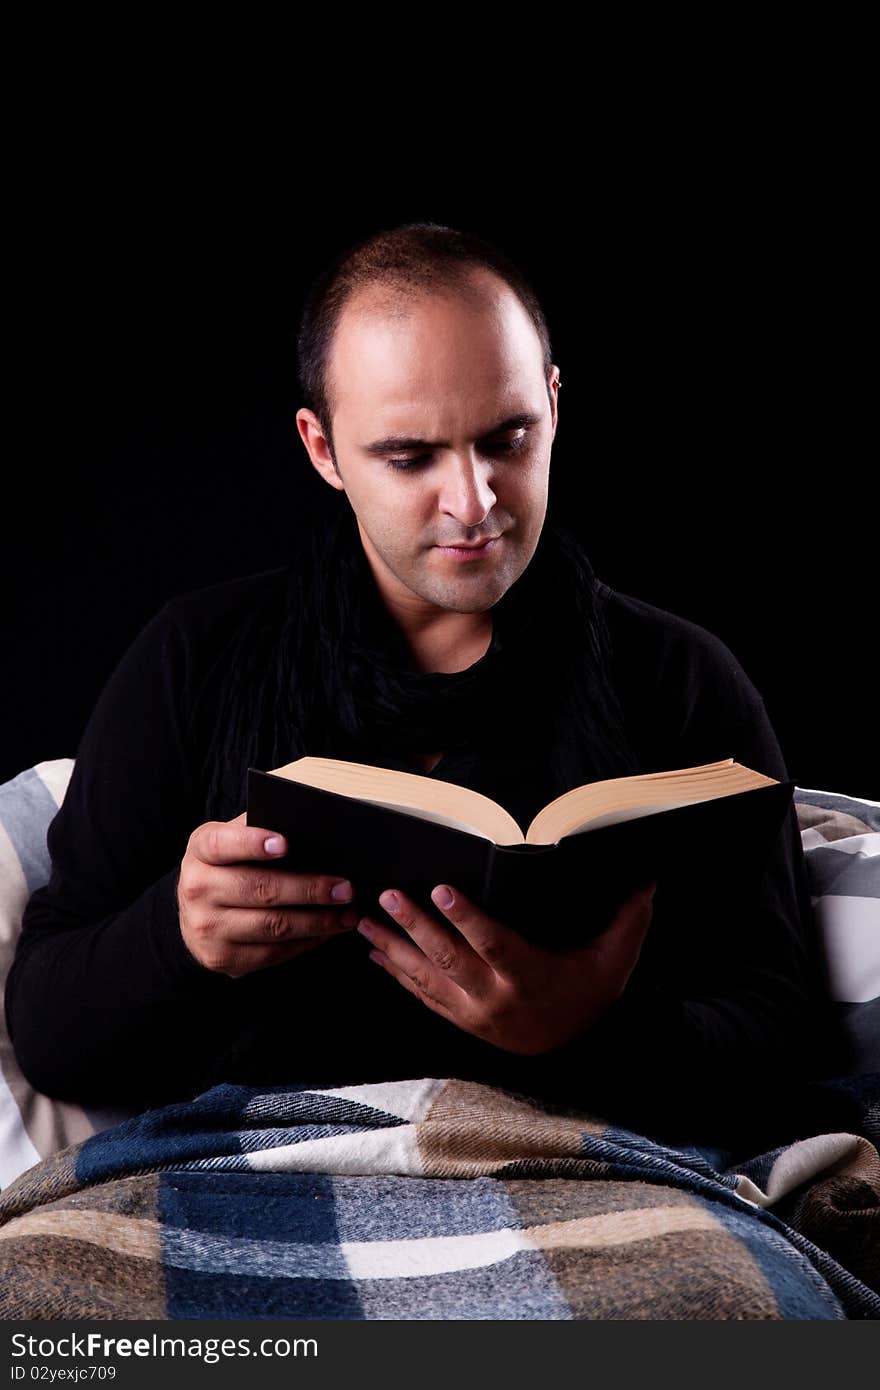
x=104, y=1002
x=726, y=1014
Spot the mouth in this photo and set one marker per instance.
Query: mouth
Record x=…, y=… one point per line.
x=470, y=550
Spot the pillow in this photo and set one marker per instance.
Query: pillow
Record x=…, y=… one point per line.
x=32, y=1126
x=841, y=839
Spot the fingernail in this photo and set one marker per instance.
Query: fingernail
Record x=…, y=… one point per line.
x=341, y=892
x=442, y=896
x=274, y=845
x=389, y=901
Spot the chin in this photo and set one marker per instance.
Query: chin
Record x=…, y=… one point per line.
x=458, y=598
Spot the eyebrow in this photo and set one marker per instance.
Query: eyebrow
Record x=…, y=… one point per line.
x=393, y=442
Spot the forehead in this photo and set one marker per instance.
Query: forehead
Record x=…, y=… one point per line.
x=402, y=352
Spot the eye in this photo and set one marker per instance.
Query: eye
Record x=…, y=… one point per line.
x=500, y=446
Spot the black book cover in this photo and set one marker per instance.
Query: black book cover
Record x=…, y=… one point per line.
x=558, y=894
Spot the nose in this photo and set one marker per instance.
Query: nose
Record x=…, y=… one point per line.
x=466, y=490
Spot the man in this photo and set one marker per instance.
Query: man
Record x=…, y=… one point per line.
x=443, y=424
x=442, y=624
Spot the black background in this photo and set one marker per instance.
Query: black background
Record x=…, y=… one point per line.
x=703, y=303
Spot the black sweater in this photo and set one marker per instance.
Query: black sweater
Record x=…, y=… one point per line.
x=723, y=1018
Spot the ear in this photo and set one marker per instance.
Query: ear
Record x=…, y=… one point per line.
x=317, y=448
x=554, y=402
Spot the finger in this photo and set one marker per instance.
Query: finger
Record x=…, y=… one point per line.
x=242, y=936
x=248, y=958
x=448, y=951
x=415, y=984
x=409, y=960
x=254, y=886
x=233, y=842
x=286, y=924
x=499, y=947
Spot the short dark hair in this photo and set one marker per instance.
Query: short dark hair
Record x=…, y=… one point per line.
x=409, y=259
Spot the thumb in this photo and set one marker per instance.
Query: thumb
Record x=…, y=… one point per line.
x=643, y=895
x=618, y=947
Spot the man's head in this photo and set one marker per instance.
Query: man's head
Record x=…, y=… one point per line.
x=426, y=362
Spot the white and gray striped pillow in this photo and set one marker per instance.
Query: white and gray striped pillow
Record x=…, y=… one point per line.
x=32, y=1126
x=841, y=839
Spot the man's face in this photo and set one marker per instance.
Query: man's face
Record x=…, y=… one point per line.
x=442, y=431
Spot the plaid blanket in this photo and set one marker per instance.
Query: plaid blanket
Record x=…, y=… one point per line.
x=440, y=1199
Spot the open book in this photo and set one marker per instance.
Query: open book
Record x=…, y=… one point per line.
x=695, y=828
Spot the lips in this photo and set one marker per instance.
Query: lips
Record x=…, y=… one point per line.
x=468, y=545
x=470, y=553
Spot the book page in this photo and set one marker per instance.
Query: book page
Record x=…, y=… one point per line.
x=631, y=813
x=626, y=798
x=423, y=813
x=429, y=798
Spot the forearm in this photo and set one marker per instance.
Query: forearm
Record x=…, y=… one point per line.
x=112, y=1010
x=724, y=1019
x=717, y=1069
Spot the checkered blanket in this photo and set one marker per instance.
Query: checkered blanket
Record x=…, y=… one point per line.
x=436, y=1199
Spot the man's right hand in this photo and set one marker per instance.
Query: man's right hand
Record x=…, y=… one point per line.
x=237, y=916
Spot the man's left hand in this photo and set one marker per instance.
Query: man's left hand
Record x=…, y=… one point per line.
x=488, y=980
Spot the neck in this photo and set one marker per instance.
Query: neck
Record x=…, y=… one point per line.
x=435, y=639
x=447, y=646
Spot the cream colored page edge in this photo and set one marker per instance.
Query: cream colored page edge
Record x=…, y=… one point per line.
x=642, y=795
x=406, y=791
